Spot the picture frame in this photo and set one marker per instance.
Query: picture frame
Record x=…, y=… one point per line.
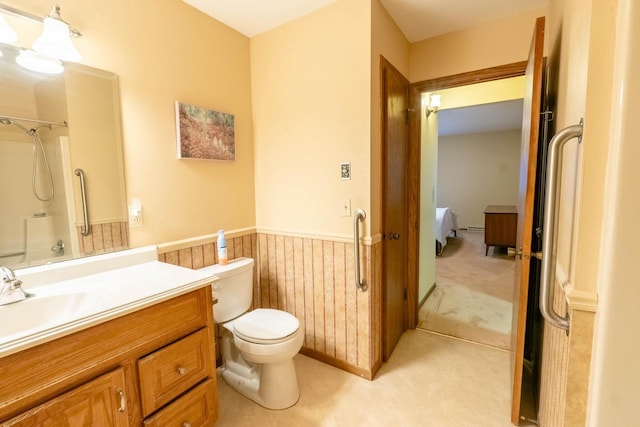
x=204, y=134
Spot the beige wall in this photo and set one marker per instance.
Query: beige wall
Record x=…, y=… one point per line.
x=500, y=42
x=614, y=391
x=311, y=87
x=429, y=146
x=163, y=52
x=476, y=170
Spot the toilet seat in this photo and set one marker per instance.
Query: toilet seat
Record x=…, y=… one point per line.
x=266, y=326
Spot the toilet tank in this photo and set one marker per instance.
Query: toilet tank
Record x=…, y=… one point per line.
x=233, y=289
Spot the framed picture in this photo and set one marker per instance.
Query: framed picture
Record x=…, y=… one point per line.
x=204, y=134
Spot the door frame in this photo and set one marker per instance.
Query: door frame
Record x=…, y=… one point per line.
x=416, y=90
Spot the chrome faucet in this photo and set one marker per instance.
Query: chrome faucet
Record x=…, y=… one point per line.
x=11, y=287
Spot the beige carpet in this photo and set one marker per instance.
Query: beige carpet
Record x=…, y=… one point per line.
x=473, y=295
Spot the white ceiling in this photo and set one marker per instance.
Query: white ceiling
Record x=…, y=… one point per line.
x=418, y=19
x=493, y=117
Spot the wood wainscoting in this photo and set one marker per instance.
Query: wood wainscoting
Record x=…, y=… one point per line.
x=104, y=237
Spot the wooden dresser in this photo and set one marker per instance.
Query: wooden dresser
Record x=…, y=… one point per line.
x=500, y=226
x=152, y=367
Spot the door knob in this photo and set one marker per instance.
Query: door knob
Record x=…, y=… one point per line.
x=514, y=252
x=394, y=236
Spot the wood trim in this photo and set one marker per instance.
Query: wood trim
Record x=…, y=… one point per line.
x=413, y=192
x=506, y=71
x=427, y=295
x=340, y=364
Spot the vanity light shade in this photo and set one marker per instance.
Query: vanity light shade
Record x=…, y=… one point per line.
x=7, y=34
x=55, y=41
x=35, y=61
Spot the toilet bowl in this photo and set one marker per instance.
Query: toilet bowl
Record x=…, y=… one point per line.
x=257, y=346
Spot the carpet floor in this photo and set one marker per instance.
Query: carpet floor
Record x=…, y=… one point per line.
x=473, y=294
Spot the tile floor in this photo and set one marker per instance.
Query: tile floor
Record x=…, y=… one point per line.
x=430, y=380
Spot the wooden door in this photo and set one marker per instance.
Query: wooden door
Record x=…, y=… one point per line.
x=526, y=201
x=100, y=402
x=395, y=132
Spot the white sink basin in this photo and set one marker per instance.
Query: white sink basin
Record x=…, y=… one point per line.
x=40, y=311
x=86, y=292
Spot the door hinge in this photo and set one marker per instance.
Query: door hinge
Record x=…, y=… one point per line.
x=548, y=115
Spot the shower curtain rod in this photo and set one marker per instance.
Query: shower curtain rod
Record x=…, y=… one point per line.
x=42, y=122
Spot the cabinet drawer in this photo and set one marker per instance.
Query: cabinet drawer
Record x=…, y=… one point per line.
x=168, y=372
x=196, y=408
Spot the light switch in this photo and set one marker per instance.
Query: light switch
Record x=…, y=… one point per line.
x=346, y=207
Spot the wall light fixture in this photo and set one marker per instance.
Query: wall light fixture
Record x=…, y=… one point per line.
x=53, y=45
x=55, y=39
x=434, y=104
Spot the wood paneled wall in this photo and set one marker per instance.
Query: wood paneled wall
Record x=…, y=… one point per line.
x=565, y=369
x=314, y=280
x=108, y=237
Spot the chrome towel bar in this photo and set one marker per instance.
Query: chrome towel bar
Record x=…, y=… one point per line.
x=358, y=217
x=548, y=237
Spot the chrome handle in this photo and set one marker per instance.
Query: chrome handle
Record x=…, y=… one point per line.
x=123, y=400
x=182, y=371
x=86, y=229
x=548, y=258
x=358, y=216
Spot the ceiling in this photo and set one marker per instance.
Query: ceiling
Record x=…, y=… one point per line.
x=497, y=116
x=418, y=19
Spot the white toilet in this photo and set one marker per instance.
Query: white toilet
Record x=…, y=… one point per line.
x=258, y=346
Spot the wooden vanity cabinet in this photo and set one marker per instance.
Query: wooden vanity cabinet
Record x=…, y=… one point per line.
x=155, y=366
x=100, y=402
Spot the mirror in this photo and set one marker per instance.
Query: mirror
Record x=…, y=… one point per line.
x=51, y=126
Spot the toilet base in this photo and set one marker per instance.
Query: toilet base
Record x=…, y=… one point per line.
x=273, y=386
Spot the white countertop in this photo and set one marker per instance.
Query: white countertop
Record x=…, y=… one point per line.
x=74, y=295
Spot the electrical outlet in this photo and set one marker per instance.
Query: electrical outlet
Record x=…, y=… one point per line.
x=346, y=207
x=135, y=217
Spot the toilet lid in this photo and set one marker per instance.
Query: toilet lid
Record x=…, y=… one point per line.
x=265, y=325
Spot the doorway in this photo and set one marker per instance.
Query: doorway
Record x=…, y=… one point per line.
x=478, y=159
x=414, y=184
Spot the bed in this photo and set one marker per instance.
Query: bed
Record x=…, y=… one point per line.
x=446, y=223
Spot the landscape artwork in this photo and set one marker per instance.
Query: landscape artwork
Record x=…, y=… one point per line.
x=204, y=134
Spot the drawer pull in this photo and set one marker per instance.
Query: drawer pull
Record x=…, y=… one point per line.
x=182, y=371
x=186, y=424
x=123, y=400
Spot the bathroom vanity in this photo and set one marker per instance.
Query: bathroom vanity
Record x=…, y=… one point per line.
x=146, y=362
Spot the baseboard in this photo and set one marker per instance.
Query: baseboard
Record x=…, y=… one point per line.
x=429, y=292
x=337, y=363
